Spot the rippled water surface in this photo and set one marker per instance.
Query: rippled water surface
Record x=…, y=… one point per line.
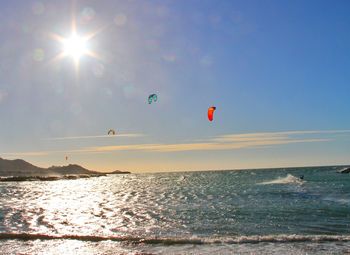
x=263, y=211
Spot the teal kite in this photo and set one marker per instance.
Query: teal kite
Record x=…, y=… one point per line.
x=152, y=97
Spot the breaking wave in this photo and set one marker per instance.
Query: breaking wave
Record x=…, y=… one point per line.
x=289, y=179
x=184, y=241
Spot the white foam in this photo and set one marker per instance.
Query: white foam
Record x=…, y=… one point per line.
x=289, y=179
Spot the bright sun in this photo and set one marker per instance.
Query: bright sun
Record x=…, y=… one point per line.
x=75, y=46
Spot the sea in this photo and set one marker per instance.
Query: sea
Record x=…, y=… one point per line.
x=266, y=211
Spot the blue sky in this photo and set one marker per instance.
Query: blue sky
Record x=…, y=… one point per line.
x=277, y=71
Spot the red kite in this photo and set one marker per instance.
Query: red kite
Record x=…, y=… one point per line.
x=211, y=112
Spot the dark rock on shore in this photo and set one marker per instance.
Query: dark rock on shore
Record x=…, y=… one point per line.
x=118, y=172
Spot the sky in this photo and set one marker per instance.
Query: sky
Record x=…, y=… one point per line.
x=277, y=72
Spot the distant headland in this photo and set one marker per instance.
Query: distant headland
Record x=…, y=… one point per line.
x=20, y=170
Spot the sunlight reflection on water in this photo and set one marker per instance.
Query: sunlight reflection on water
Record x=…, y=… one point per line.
x=173, y=205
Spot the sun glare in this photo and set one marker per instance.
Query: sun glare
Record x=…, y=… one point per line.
x=75, y=46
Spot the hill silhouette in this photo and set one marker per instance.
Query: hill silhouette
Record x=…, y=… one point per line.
x=19, y=169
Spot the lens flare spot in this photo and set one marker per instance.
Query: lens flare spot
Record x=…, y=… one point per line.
x=162, y=11
x=129, y=91
x=108, y=92
x=152, y=44
x=169, y=57
x=3, y=95
x=76, y=108
x=98, y=70
x=38, y=8
x=87, y=15
x=27, y=28
x=38, y=55
x=120, y=20
x=206, y=61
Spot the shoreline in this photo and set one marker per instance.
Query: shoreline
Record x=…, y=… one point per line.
x=54, y=178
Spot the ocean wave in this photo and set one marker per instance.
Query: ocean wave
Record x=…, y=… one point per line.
x=183, y=241
x=289, y=179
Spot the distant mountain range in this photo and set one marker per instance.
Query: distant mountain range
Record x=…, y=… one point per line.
x=23, y=169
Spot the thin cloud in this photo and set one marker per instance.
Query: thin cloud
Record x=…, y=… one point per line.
x=229, y=142
x=94, y=136
x=223, y=142
x=263, y=136
x=197, y=146
x=24, y=154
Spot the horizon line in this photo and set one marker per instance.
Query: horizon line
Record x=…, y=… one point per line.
x=198, y=170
